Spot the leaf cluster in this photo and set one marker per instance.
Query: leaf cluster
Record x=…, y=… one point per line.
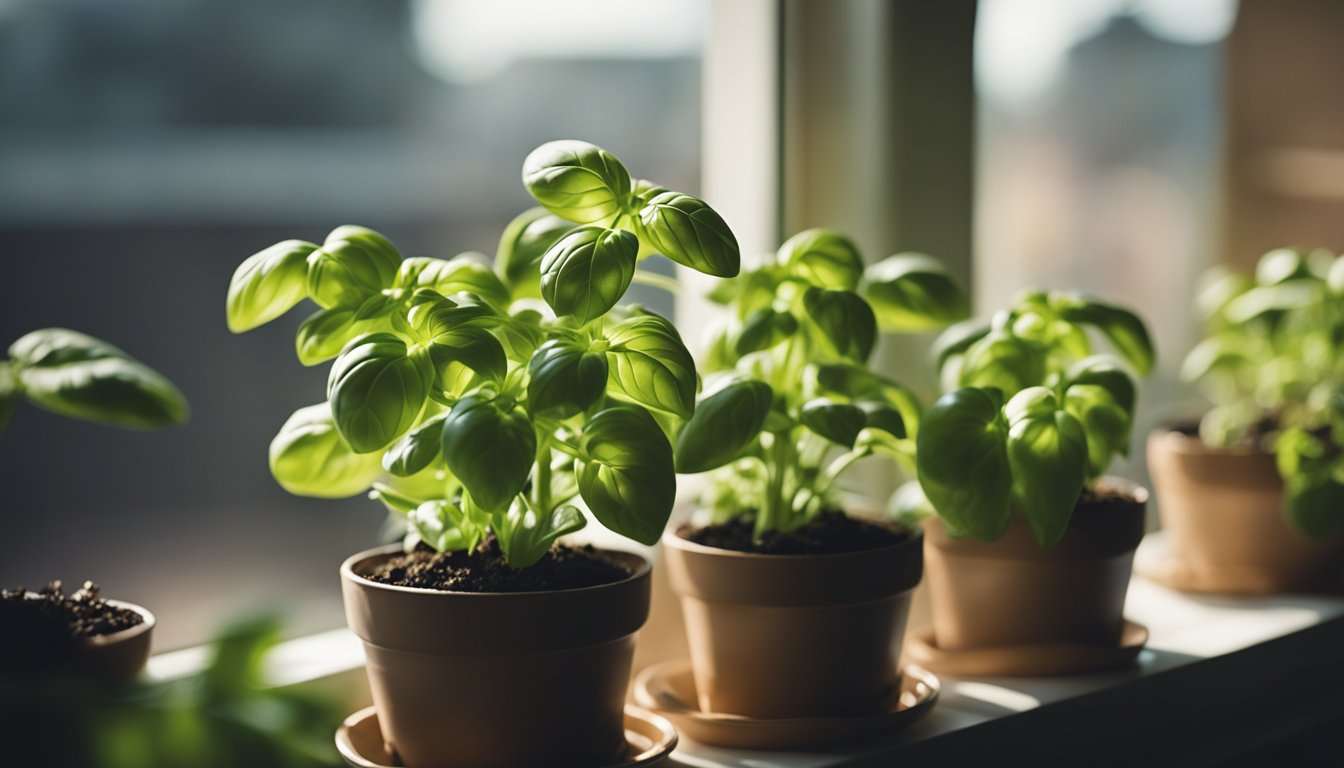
x=468, y=405
x=1034, y=413
x=792, y=402
x=1272, y=362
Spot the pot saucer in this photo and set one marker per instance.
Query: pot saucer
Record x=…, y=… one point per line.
x=649, y=739
x=1044, y=660
x=669, y=688
x=1167, y=569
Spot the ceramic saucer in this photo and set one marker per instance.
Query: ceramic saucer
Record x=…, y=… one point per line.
x=649, y=739
x=669, y=688
x=1043, y=660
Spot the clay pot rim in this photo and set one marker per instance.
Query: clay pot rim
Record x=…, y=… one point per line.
x=147, y=622
x=348, y=573
x=1177, y=441
x=673, y=538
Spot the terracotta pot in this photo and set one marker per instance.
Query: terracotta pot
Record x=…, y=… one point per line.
x=775, y=636
x=119, y=655
x=494, y=680
x=1223, y=512
x=1011, y=592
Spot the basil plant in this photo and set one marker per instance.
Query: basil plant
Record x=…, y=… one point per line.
x=790, y=401
x=76, y=375
x=476, y=401
x=1272, y=362
x=1035, y=413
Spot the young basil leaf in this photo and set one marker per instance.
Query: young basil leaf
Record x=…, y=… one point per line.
x=466, y=345
x=838, y=422
x=525, y=240
x=763, y=329
x=1106, y=423
x=587, y=271
x=1269, y=300
x=325, y=333
x=309, y=458
x=824, y=258
x=1048, y=455
x=1122, y=328
x=462, y=274
x=377, y=390
x=444, y=526
x=577, y=181
x=914, y=292
x=844, y=319
x=860, y=384
x=1005, y=362
x=268, y=284
x=725, y=423
x=956, y=340
x=1218, y=353
x=962, y=461
x=645, y=191
x=689, y=232
x=525, y=544
x=626, y=475
x=650, y=365
x=415, y=450
x=490, y=446
x=1104, y=372
x=353, y=264
x=565, y=378
x=1281, y=265
x=73, y=374
x=883, y=416
x=521, y=334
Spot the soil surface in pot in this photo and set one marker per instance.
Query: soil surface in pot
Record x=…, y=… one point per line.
x=1104, y=494
x=830, y=533
x=484, y=570
x=82, y=614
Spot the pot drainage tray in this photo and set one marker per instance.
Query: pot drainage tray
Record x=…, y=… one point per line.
x=669, y=688
x=1044, y=660
x=649, y=739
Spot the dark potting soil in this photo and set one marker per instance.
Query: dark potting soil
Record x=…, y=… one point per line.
x=1102, y=494
x=484, y=570
x=830, y=533
x=82, y=614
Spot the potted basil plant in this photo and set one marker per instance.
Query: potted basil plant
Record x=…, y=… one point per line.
x=486, y=417
x=1252, y=499
x=792, y=606
x=76, y=375
x=1032, y=545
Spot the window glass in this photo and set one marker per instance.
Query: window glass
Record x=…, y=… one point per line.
x=148, y=146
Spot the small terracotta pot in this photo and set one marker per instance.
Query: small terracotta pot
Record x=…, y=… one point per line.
x=498, y=680
x=1011, y=592
x=775, y=636
x=119, y=655
x=1223, y=512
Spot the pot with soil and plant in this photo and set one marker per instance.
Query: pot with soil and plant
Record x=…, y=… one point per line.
x=1252, y=499
x=76, y=375
x=794, y=608
x=481, y=406
x=1029, y=553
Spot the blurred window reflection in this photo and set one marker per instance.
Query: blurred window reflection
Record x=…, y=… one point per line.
x=148, y=146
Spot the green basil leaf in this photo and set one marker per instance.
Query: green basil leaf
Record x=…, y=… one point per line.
x=726, y=423
x=1104, y=372
x=860, y=384
x=626, y=475
x=462, y=274
x=1005, y=362
x=524, y=544
x=689, y=232
x=883, y=416
x=467, y=346
x=521, y=334
x=415, y=450
x=751, y=291
x=377, y=390
x=1269, y=299
x=824, y=258
x=577, y=181
x=490, y=446
x=956, y=340
x=1216, y=287
x=646, y=190
x=650, y=365
x=587, y=271
x=962, y=461
x=1106, y=424
x=838, y=422
x=444, y=526
x=844, y=319
x=268, y=284
x=309, y=458
x=914, y=292
x=76, y=375
x=763, y=329
x=1280, y=266
x=565, y=378
x=1048, y=455
x=1122, y=328
x=525, y=240
x=353, y=264
x=325, y=333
